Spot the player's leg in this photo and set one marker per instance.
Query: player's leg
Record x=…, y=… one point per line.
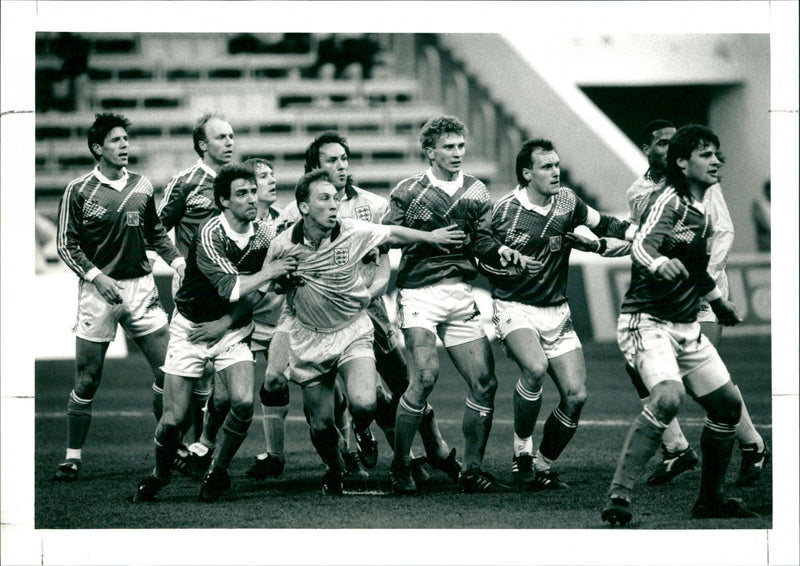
x=755, y=453
x=154, y=348
x=475, y=362
x=318, y=399
x=177, y=398
x=359, y=377
x=522, y=346
x=642, y=441
x=677, y=455
x=424, y=365
x=646, y=345
x=568, y=371
x=274, y=396
x=89, y=360
x=712, y=388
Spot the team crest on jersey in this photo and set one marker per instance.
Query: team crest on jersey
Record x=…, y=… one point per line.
x=341, y=256
x=364, y=213
x=555, y=243
x=132, y=218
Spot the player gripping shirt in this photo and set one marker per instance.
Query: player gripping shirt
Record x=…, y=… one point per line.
x=332, y=299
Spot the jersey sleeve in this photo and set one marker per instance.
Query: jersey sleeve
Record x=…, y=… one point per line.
x=156, y=234
x=657, y=223
x=68, y=239
x=395, y=214
x=173, y=204
x=722, y=238
x=484, y=246
x=369, y=236
x=214, y=263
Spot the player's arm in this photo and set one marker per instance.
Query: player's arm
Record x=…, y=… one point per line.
x=490, y=252
x=173, y=204
x=722, y=238
x=447, y=236
x=213, y=330
x=68, y=245
x=658, y=222
x=585, y=240
x=158, y=241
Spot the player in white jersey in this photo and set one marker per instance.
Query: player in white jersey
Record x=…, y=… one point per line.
x=329, y=329
x=677, y=455
x=106, y=221
x=330, y=152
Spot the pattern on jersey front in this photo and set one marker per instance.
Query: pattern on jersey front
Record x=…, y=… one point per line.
x=93, y=210
x=563, y=207
x=143, y=187
x=197, y=199
x=419, y=209
x=477, y=192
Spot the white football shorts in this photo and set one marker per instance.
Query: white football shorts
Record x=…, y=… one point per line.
x=315, y=354
x=661, y=350
x=140, y=312
x=187, y=359
x=446, y=309
x=552, y=325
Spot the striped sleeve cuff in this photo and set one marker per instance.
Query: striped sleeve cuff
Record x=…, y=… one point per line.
x=656, y=263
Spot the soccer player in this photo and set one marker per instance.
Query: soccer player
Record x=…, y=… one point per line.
x=531, y=313
x=434, y=296
x=659, y=334
x=187, y=202
x=106, y=220
x=226, y=263
x=677, y=455
x=330, y=152
x=329, y=329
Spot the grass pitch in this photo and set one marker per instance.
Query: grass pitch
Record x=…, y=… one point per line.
x=119, y=452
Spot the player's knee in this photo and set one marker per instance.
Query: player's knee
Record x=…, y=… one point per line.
x=242, y=409
x=531, y=381
x=242, y=406
x=575, y=399
x=727, y=411
x=426, y=381
x=666, y=400
x=167, y=434
x=274, y=397
x=86, y=384
x=535, y=372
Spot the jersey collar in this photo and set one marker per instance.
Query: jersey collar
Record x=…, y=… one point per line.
x=297, y=232
x=205, y=167
x=522, y=196
x=117, y=184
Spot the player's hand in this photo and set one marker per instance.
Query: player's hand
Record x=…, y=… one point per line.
x=726, y=312
x=510, y=257
x=672, y=270
x=180, y=273
x=285, y=283
x=582, y=243
x=211, y=332
x=531, y=266
x=448, y=236
x=281, y=266
x=373, y=256
x=108, y=288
